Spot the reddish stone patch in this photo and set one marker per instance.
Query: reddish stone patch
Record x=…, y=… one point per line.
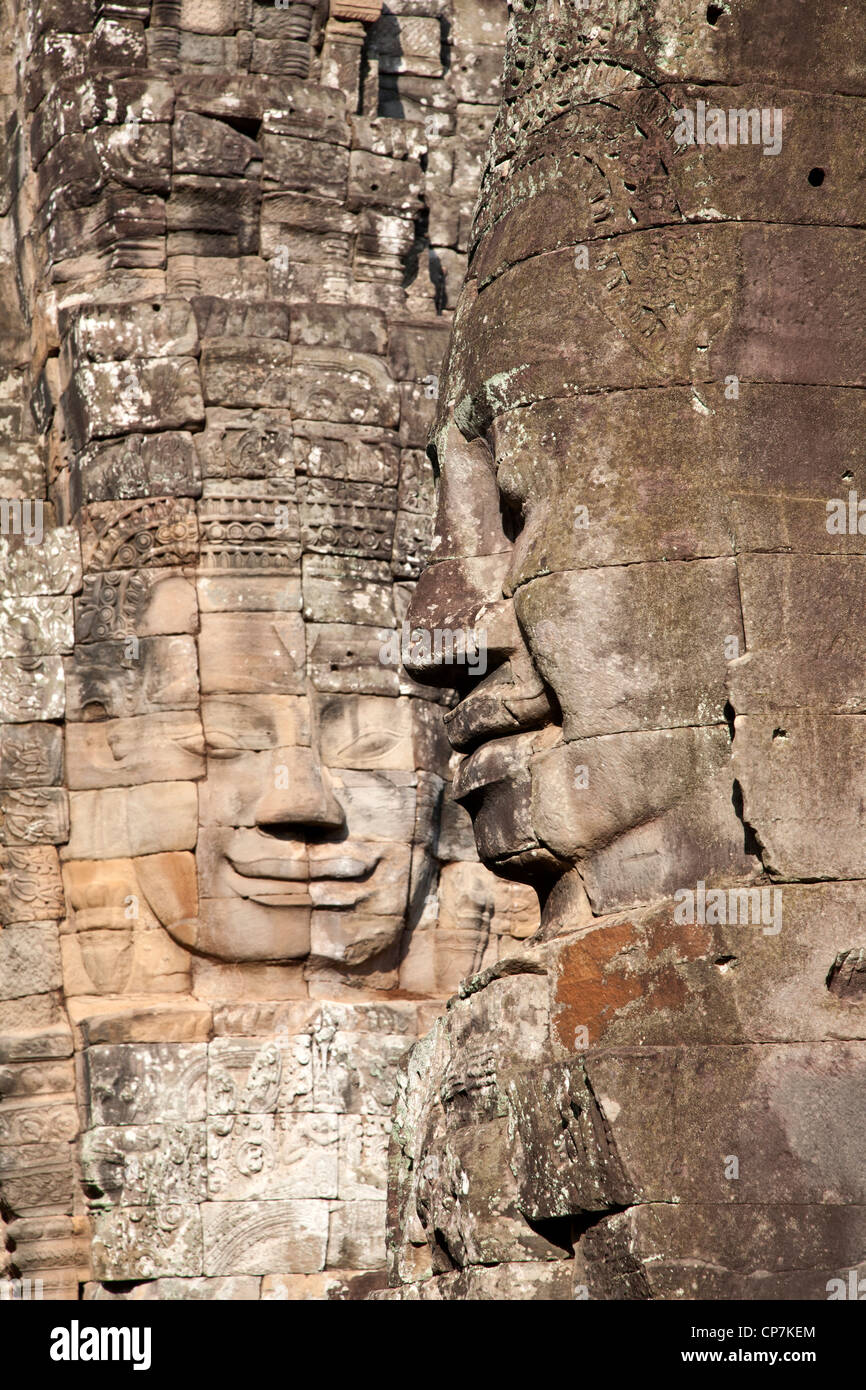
x=592, y=987
x=692, y=941
x=586, y=994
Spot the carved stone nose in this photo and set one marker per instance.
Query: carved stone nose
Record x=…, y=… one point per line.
x=297, y=794
x=458, y=599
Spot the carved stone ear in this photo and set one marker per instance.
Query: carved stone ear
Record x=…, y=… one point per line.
x=168, y=882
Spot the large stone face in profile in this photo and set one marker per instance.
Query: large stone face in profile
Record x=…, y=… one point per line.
x=647, y=438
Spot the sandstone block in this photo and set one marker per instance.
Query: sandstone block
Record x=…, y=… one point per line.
x=141, y=1084
x=260, y=654
x=146, y=1242
x=29, y=959
x=30, y=887
x=107, y=398
x=126, y=752
x=39, y=815
x=114, y=823
x=121, y=680
x=254, y=1237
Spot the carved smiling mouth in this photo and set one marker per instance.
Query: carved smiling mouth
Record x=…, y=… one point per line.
x=323, y=876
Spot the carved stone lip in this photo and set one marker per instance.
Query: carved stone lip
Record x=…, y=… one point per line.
x=271, y=890
x=339, y=867
x=478, y=718
x=499, y=707
x=343, y=866
x=497, y=760
x=271, y=867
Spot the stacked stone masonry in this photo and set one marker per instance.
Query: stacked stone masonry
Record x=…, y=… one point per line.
x=235, y=888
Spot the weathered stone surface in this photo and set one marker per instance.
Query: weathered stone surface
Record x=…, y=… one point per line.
x=146, y=1242
x=118, y=822
x=30, y=957
x=353, y=387
x=145, y=1165
x=46, y=1013
x=366, y=732
x=356, y=1234
x=683, y=514
x=179, y=1021
x=348, y=589
x=225, y=318
x=30, y=888
x=529, y=1280
x=227, y=291
x=346, y=657
x=144, y=465
x=814, y=1239
x=33, y=627
x=134, y=603
x=141, y=1085
x=800, y=664
x=233, y=376
x=337, y=1285
x=205, y=146
x=36, y=1047
x=154, y=532
x=664, y=604
x=117, y=680
x=53, y=566
x=127, y=752
x=292, y=164
x=330, y=1069
x=221, y=593
x=35, y=815
x=249, y=532
x=229, y=1289
x=21, y=1080
x=31, y=691
x=648, y=498
x=247, y=443
x=363, y=1157
x=273, y=1156
x=130, y=960
x=260, y=654
x=30, y=755
x=772, y=761
x=25, y=1122
x=109, y=398
x=114, y=332
x=253, y=1237
x=35, y=1177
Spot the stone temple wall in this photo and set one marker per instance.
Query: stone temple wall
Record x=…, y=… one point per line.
x=233, y=888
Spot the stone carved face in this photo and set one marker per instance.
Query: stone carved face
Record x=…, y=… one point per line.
x=307, y=821
x=645, y=673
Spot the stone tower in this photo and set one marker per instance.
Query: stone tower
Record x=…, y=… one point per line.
x=650, y=446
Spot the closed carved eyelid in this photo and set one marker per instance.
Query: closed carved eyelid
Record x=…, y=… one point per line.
x=220, y=744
